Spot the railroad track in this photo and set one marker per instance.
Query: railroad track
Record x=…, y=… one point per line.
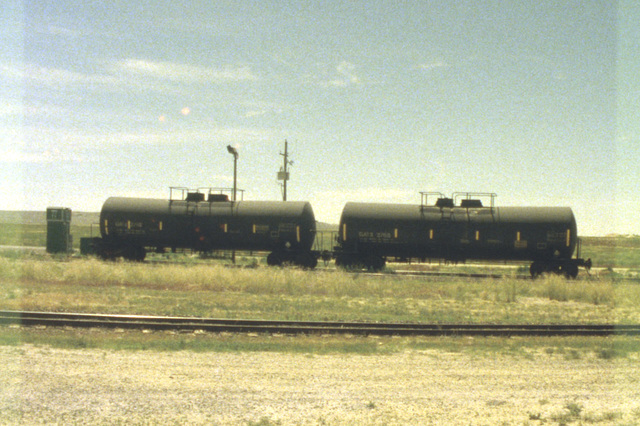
x=189, y=324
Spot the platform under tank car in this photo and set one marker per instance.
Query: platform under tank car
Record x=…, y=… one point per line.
x=457, y=229
x=207, y=221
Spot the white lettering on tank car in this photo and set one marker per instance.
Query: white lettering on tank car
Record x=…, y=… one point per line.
x=375, y=237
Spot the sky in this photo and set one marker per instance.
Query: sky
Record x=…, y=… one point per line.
x=536, y=101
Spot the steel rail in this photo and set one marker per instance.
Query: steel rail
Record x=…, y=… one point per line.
x=452, y=274
x=57, y=319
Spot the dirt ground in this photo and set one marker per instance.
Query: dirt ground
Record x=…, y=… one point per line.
x=44, y=385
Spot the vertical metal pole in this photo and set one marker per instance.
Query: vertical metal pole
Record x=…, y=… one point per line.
x=235, y=176
x=235, y=188
x=234, y=152
x=286, y=158
x=283, y=174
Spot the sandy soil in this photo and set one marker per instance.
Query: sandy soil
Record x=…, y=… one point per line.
x=43, y=385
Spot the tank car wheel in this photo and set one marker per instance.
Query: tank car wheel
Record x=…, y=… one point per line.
x=141, y=254
x=134, y=254
x=274, y=259
x=536, y=269
x=107, y=256
x=306, y=260
x=375, y=263
x=570, y=270
x=326, y=257
x=345, y=261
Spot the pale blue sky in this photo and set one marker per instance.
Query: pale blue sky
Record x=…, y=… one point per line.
x=536, y=101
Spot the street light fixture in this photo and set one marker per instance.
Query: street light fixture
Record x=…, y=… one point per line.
x=234, y=152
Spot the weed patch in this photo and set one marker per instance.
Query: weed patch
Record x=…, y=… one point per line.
x=215, y=290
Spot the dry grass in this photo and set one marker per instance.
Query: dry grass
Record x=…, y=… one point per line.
x=215, y=290
x=595, y=292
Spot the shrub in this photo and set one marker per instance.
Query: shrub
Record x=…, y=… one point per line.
x=558, y=288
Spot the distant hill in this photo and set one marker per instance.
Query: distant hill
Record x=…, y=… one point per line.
x=40, y=218
x=23, y=218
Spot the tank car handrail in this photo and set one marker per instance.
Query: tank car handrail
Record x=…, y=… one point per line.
x=455, y=197
x=183, y=191
x=220, y=190
x=424, y=197
x=468, y=196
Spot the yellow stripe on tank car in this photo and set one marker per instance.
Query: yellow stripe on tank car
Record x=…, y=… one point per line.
x=106, y=227
x=344, y=232
x=160, y=225
x=477, y=235
x=128, y=224
x=298, y=233
x=395, y=233
x=254, y=228
x=431, y=234
x=568, y=237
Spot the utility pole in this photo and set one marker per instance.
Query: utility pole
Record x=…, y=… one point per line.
x=283, y=174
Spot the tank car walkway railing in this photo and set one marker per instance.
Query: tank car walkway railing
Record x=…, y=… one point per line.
x=474, y=199
x=459, y=201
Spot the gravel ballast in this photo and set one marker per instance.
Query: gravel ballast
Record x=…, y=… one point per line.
x=45, y=385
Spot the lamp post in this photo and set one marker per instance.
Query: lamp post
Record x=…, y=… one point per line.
x=234, y=152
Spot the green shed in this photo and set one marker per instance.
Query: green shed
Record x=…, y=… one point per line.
x=59, y=239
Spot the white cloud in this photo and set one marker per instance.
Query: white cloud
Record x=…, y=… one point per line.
x=47, y=139
x=250, y=114
x=42, y=157
x=56, y=30
x=11, y=108
x=52, y=76
x=127, y=73
x=427, y=66
x=22, y=109
x=185, y=73
x=225, y=135
x=346, y=75
x=259, y=108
